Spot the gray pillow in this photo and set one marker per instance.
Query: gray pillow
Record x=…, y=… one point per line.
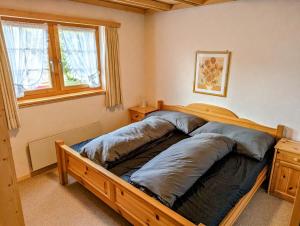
x=250, y=142
x=182, y=121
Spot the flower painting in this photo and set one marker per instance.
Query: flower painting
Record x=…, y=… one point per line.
x=212, y=73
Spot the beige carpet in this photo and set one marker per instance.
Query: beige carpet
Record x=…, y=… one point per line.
x=47, y=203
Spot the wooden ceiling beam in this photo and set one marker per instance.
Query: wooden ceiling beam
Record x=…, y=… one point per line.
x=112, y=5
x=149, y=6
x=184, y=3
x=192, y=2
x=209, y=2
x=146, y=4
x=38, y=16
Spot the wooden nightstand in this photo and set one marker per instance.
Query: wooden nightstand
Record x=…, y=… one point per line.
x=285, y=173
x=139, y=113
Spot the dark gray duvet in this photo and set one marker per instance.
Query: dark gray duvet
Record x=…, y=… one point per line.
x=171, y=173
x=119, y=143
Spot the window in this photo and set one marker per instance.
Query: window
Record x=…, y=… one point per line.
x=27, y=46
x=79, y=56
x=51, y=59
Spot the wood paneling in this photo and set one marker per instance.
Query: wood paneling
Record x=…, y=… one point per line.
x=144, y=6
x=192, y=2
x=112, y=5
x=56, y=18
x=10, y=205
x=147, y=4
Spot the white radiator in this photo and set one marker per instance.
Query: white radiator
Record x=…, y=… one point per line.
x=42, y=152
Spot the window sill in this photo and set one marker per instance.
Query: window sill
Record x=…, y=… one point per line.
x=58, y=98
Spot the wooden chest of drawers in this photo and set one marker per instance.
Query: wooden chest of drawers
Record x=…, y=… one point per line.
x=285, y=174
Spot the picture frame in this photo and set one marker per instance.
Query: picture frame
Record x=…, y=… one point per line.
x=212, y=72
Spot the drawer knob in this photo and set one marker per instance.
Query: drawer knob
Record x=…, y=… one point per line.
x=296, y=159
x=290, y=188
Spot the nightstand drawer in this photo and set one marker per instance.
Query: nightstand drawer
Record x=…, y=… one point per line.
x=288, y=157
x=136, y=116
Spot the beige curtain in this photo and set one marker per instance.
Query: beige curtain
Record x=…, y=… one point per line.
x=113, y=98
x=7, y=89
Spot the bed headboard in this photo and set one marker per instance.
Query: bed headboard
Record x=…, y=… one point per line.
x=220, y=114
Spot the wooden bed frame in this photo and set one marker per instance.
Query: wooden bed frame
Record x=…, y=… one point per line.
x=133, y=204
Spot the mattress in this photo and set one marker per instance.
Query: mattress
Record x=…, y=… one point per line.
x=210, y=199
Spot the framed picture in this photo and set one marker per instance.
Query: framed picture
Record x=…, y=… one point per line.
x=211, y=72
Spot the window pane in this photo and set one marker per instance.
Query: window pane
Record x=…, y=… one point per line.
x=27, y=46
x=79, y=56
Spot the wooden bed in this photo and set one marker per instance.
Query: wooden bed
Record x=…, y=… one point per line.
x=133, y=204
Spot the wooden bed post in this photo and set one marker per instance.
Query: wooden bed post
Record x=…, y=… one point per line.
x=61, y=163
x=160, y=104
x=279, y=134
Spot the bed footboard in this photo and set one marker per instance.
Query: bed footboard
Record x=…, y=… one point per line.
x=133, y=204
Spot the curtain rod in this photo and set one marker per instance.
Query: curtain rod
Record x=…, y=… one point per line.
x=56, y=18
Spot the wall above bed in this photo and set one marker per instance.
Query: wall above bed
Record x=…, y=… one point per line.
x=263, y=36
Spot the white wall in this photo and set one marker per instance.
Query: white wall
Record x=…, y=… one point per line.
x=40, y=121
x=264, y=37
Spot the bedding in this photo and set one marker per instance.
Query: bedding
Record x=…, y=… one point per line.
x=119, y=143
x=250, y=142
x=182, y=121
x=211, y=198
x=181, y=165
x=216, y=193
x=146, y=153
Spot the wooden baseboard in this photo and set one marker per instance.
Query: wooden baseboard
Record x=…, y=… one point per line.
x=43, y=170
x=37, y=172
x=22, y=178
